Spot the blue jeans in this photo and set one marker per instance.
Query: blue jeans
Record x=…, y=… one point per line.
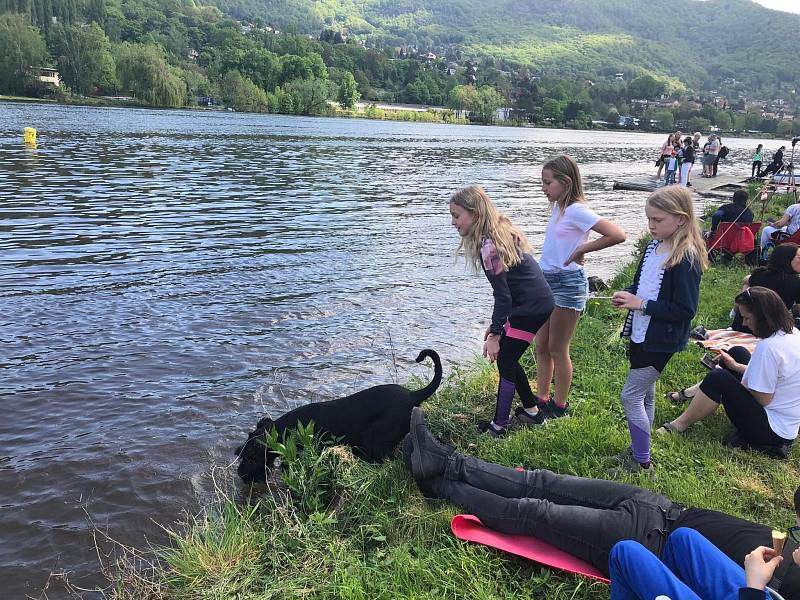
x=670, y=178
x=691, y=568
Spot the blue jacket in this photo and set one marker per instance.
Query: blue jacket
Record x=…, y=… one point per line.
x=672, y=313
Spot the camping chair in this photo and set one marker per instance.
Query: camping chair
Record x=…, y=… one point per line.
x=731, y=239
x=778, y=238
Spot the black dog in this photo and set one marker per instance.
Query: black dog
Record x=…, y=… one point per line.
x=372, y=422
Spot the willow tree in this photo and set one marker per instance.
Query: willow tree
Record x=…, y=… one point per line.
x=144, y=73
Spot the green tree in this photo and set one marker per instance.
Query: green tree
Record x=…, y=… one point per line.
x=664, y=120
x=242, y=94
x=84, y=57
x=646, y=87
x=699, y=124
x=723, y=121
x=348, y=91
x=489, y=101
x=553, y=110
x=309, y=96
x=21, y=47
x=144, y=73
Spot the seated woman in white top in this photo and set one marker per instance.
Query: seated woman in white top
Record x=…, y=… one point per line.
x=760, y=393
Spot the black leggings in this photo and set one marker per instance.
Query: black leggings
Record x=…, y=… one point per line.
x=512, y=375
x=756, y=168
x=747, y=415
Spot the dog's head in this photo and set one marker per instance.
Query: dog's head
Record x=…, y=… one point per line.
x=255, y=459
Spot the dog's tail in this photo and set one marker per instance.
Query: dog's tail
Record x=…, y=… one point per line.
x=418, y=396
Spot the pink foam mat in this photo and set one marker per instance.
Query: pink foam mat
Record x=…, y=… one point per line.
x=469, y=528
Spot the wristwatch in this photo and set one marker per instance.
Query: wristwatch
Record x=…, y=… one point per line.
x=643, y=307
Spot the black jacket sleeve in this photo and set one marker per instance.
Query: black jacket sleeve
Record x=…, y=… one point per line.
x=682, y=304
x=502, y=300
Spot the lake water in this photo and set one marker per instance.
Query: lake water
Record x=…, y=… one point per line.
x=167, y=277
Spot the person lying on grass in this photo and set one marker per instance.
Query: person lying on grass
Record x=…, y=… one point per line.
x=760, y=393
x=582, y=516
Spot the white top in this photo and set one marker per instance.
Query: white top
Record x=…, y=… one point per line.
x=713, y=147
x=794, y=212
x=649, y=286
x=672, y=163
x=565, y=232
x=774, y=369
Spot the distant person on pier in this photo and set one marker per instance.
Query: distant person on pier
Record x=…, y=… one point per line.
x=776, y=164
x=710, y=152
x=723, y=152
x=666, y=153
x=758, y=158
x=686, y=157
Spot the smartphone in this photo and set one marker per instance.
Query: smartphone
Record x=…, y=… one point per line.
x=710, y=360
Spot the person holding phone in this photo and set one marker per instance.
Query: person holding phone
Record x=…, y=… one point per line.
x=760, y=393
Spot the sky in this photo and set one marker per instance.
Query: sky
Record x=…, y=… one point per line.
x=792, y=6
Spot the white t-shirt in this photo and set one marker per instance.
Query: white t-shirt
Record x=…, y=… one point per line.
x=774, y=369
x=565, y=232
x=794, y=224
x=649, y=286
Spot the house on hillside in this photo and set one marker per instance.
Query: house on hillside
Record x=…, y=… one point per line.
x=51, y=76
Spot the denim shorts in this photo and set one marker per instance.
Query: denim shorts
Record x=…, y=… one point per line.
x=570, y=288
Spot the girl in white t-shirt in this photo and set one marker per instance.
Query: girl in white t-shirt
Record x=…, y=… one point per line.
x=760, y=393
x=565, y=245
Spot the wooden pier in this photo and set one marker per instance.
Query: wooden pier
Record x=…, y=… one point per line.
x=721, y=186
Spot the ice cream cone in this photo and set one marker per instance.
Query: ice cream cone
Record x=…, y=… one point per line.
x=778, y=540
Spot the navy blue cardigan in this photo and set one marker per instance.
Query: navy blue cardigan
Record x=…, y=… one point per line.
x=672, y=313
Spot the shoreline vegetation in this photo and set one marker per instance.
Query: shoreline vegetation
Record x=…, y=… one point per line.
x=340, y=528
x=372, y=111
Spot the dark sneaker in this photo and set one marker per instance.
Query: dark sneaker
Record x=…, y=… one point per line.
x=780, y=452
x=428, y=455
x=621, y=457
x=553, y=411
x=490, y=429
x=523, y=417
x=630, y=467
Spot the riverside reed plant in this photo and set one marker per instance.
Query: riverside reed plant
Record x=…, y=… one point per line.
x=372, y=535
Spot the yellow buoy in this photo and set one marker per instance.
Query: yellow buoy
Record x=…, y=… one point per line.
x=30, y=136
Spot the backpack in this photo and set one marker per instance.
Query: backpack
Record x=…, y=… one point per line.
x=723, y=152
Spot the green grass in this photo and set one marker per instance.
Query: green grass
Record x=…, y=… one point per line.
x=379, y=538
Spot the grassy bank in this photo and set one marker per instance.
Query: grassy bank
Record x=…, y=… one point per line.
x=351, y=530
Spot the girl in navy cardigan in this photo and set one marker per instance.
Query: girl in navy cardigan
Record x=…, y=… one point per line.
x=661, y=304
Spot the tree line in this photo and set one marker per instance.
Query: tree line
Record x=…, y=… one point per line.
x=174, y=53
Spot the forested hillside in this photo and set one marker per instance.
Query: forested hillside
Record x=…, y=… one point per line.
x=701, y=43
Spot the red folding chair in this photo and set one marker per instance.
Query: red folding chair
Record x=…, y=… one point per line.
x=731, y=239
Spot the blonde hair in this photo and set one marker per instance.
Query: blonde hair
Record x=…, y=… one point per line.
x=565, y=170
x=687, y=241
x=510, y=242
